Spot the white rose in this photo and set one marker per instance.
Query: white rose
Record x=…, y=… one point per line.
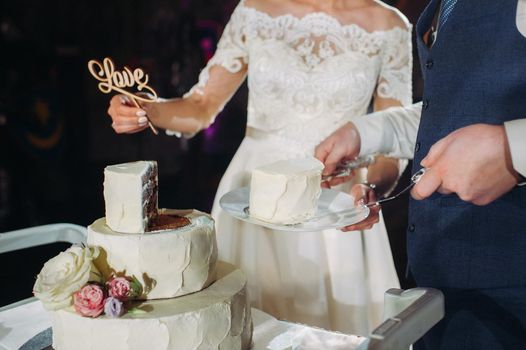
x=64, y=275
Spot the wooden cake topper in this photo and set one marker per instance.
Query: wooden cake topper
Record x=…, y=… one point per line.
x=118, y=81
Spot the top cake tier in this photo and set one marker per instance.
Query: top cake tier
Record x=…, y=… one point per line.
x=130, y=194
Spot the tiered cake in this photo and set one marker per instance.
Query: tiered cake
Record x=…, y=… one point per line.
x=157, y=286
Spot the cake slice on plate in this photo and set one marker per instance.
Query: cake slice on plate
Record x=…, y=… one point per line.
x=287, y=191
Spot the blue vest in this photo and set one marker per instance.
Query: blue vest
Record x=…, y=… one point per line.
x=474, y=73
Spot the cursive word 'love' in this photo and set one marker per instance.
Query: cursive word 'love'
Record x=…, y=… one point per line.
x=110, y=79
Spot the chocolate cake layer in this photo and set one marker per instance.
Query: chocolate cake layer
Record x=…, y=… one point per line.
x=168, y=222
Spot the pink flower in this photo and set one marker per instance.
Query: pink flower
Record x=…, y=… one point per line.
x=119, y=288
x=89, y=300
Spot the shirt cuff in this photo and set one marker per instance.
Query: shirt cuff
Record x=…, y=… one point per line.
x=516, y=133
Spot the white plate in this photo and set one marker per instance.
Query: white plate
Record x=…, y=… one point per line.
x=336, y=209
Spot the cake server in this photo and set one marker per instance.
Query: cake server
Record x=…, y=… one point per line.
x=415, y=178
x=346, y=167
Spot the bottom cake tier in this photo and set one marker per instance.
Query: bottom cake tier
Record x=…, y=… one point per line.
x=217, y=317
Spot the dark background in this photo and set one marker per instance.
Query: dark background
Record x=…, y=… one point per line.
x=55, y=134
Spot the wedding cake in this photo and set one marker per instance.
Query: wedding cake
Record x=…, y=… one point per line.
x=287, y=191
x=158, y=288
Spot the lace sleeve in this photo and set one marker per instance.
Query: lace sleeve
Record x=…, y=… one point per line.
x=395, y=80
x=222, y=75
x=231, y=52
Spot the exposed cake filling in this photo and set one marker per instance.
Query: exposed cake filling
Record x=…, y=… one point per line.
x=168, y=222
x=150, y=195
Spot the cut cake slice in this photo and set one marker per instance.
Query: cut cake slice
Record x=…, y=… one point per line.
x=287, y=191
x=130, y=194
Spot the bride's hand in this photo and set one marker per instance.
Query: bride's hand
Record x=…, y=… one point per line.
x=127, y=119
x=364, y=194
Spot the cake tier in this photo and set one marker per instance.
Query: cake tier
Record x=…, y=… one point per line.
x=167, y=263
x=218, y=317
x=130, y=194
x=287, y=191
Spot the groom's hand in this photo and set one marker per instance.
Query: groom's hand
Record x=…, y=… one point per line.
x=474, y=162
x=342, y=144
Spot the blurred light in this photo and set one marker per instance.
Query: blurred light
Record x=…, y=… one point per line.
x=8, y=30
x=4, y=27
x=208, y=48
x=185, y=4
x=210, y=132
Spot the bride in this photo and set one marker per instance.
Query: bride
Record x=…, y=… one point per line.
x=311, y=64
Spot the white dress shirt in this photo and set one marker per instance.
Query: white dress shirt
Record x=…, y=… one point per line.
x=393, y=131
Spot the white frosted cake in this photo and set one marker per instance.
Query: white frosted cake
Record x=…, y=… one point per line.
x=287, y=191
x=130, y=193
x=169, y=263
x=216, y=318
x=161, y=288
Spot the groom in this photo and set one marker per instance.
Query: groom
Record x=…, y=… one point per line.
x=467, y=221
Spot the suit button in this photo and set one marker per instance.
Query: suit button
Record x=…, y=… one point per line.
x=417, y=147
x=429, y=64
x=425, y=104
x=412, y=228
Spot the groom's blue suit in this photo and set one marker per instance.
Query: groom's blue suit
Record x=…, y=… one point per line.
x=475, y=72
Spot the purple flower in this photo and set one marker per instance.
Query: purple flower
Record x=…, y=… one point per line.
x=113, y=307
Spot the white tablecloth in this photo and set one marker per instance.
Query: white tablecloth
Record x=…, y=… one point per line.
x=19, y=324
x=23, y=322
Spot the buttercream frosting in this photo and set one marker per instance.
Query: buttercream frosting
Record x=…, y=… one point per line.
x=287, y=191
x=130, y=194
x=218, y=317
x=167, y=263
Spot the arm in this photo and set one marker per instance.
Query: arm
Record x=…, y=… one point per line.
x=198, y=109
x=195, y=111
x=385, y=171
x=392, y=132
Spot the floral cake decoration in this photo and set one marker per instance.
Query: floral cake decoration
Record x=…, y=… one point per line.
x=72, y=279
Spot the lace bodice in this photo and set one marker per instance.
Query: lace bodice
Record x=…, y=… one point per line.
x=307, y=75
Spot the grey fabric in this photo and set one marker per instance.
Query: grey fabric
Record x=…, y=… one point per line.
x=41, y=341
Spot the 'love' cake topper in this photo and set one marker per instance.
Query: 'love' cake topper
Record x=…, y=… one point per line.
x=111, y=80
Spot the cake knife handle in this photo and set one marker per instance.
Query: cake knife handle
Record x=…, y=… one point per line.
x=414, y=180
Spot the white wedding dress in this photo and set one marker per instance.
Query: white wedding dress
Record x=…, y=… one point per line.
x=305, y=77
